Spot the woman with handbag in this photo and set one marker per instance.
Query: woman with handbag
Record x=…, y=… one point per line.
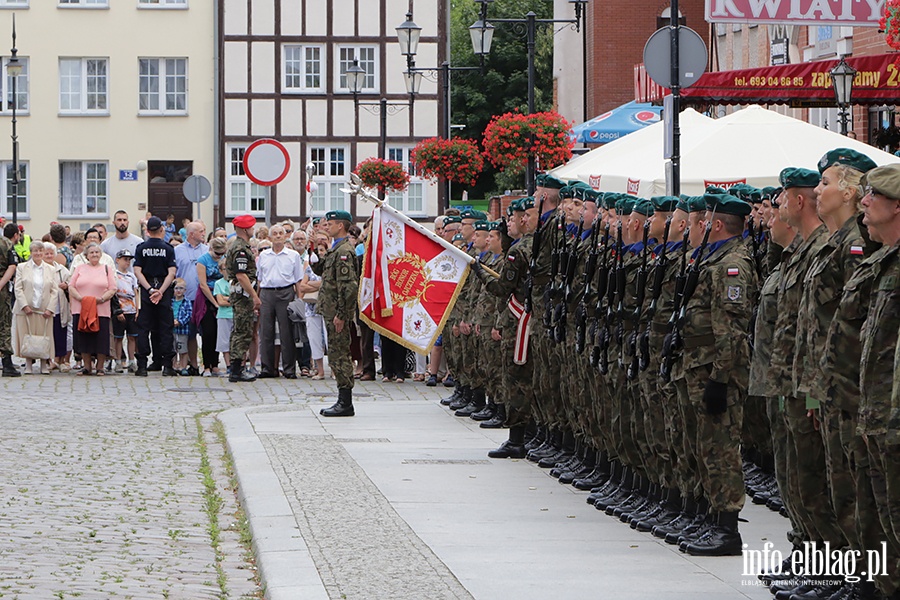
x=35, y=291
x=91, y=288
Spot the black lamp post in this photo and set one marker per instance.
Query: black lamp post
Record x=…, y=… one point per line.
x=356, y=76
x=842, y=79
x=14, y=69
x=482, y=34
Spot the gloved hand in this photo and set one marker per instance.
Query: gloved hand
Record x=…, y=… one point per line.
x=715, y=397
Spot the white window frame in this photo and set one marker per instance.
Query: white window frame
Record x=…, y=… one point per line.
x=89, y=4
x=162, y=91
x=343, y=62
x=331, y=176
x=82, y=110
x=24, y=191
x=22, y=82
x=163, y=4
x=85, y=189
x=238, y=180
x=303, y=88
x=14, y=3
x=403, y=201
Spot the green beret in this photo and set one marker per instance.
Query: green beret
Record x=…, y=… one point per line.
x=493, y=225
x=625, y=204
x=451, y=219
x=338, y=215
x=797, y=177
x=774, y=197
x=711, y=189
x=545, y=180
x=684, y=203
x=846, y=156
x=643, y=207
x=511, y=208
x=458, y=238
x=523, y=204
x=471, y=213
x=767, y=193
x=664, y=203
x=885, y=180
x=566, y=191
x=608, y=200
x=754, y=196
x=726, y=204
x=592, y=196
x=482, y=226
x=696, y=204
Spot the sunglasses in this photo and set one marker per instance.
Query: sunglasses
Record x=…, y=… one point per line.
x=219, y=254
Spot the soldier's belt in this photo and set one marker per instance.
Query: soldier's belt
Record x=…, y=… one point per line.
x=698, y=341
x=659, y=327
x=523, y=330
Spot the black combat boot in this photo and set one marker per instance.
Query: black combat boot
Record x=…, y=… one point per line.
x=514, y=447
x=456, y=395
x=584, y=467
x=598, y=476
x=498, y=420
x=538, y=439
x=572, y=462
x=671, y=530
x=465, y=396
x=669, y=508
x=485, y=414
x=343, y=407
x=476, y=403
x=238, y=374
x=722, y=540
x=552, y=438
x=9, y=369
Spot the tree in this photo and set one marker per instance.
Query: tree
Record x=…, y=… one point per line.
x=476, y=97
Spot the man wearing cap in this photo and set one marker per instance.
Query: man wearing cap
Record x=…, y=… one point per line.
x=8, y=261
x=280, y=271
x=245, y=302
x=337, y=304
x=154, y=267
x=712, y=375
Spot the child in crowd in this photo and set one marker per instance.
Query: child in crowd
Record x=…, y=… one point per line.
x=124, y=321
x=182, y=308
x=225, y=314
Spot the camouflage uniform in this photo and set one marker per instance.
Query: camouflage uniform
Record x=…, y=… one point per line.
x=239, y=259
x=483, y=311
x=546, y=374
x=8, y=257
x=338, y=298
x=716, y=348
x=633, y=442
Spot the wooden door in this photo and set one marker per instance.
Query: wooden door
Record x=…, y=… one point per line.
x=164, y=193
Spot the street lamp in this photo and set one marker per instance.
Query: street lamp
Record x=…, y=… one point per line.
x=408, y=35
x=14, y=69
x=842, y=79
x=482, y=34
x=356, y=77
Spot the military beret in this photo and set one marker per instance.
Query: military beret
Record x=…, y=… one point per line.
x=696, y=204
x=846, y=156
x=774, y=197
x=566, y=191
x=511, y=208
x=471, y=213
x=664, y=203
x=592, y=196
x=643, y=207
x=885, y=180
x=523, y=204
x=493, y=225
x=794, y=177
x=767, y=193
x=242, y=221
x=458, y=238
x=625, y=204
x=338, y=215
x=712, y=189
x=608, y=200
x=684, y=203
x=545, y=180
x=452, y=219
x=727, y=204
x=482, y=226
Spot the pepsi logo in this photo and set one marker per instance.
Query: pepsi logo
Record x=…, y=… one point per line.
x=646, y=116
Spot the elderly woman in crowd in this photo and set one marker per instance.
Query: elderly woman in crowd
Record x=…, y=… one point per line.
x=96, y=281
x=208, y=274
x=315, y=324
x=60, y=306
x=35, y=291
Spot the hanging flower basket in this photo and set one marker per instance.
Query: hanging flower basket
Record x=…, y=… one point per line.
x=890, y=24
x=457, y=160
x=380, y=173
x=509, y=140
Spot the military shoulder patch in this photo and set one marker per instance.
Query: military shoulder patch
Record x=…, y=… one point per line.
x=511, y=257
x=856, y=250
x=734, y=292
x=733, y=272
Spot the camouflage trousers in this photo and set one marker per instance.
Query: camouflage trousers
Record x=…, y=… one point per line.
x=5, y=324
x=519, y=393
x=716, y=440
x=489, y=352
x=775, y=409
x=546, y=375
x=755, y=434
x=572, y=388
x=450, y=346
x=339, y=358
x=472, y=369
x=682, y=461
x=884, y=460
x=654, y=415
x=242, y=333
x=809, y=490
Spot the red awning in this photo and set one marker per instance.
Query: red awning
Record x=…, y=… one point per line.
x=806, y=84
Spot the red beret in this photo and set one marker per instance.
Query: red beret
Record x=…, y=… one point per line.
x=244, y=221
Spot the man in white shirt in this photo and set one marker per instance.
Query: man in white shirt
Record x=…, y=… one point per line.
x=186, y=256
x=123, y=240
x=279, y=271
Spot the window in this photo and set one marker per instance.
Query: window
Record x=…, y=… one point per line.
x=21, y=194
x=331, y=170
x=13, y=3
x=246, y=196
x=412, y=200
x=83, y=188
x=163, y=86
x=366, y=58
x=302, y=69
x=21, y=88
x=84, y=3
x=83, y=86
x=162, y=3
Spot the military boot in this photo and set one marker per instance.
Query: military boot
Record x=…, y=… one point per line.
x=723, y=539
x=465, y=396
x=343, y=407
x=551, y=443
x=572, y=463
x=597, y=477
x=671, y=530
x=9, y=369
x=452, y=397
x=668, y=510
x=498, y=420
x=539, y=437
x=238, y=374
x=476, y=403
x=487, y=413
x=514, y=447
x=697, y=530
x=585, y=466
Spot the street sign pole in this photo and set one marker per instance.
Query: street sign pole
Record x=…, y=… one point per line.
x=676, y=101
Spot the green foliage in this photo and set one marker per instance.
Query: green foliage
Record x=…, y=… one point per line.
x=503, y=87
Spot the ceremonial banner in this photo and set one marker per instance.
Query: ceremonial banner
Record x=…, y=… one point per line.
x=410, y=280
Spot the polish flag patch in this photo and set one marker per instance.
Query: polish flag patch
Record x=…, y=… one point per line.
x=856, y=250
x=734, y=271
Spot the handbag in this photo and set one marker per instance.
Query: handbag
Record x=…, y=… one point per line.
x=311, y=297
x=35, y=346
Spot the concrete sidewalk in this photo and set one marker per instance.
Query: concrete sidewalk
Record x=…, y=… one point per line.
x=402, y=502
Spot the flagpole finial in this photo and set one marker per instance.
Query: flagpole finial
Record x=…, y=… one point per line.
x=356, y=187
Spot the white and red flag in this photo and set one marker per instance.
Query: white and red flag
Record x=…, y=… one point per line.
x=410, y=280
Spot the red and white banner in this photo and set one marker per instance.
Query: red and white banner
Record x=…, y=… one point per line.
x=843, y=13
x=410, y=280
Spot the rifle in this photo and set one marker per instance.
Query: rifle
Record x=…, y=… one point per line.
x=562, y=309
x=662, y=263
x=632, y=371
x=549, y=291
x=754, y=240
x=612, y=290
x=590, y=268
x=620, y=288
x=532, y=264
x=665, y=366
x=602, y=283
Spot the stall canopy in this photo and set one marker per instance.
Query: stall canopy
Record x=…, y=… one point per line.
x=751, y=146
x=616, y=123
x=877, y=81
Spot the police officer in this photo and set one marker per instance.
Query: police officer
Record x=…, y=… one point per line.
x=154, y=267
x=8, y=261
x=245, y=301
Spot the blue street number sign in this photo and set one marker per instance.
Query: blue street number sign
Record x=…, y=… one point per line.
x=128, y=175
